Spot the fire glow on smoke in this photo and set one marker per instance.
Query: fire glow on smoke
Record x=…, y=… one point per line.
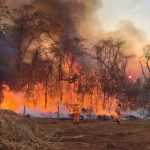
x=16, y=101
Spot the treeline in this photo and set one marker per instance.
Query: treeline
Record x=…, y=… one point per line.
x=65, y=65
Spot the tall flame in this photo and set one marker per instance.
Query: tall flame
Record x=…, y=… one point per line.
x=15, y=101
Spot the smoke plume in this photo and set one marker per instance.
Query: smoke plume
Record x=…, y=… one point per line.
x=8, y=57
x=77, y=17
x=69, y=13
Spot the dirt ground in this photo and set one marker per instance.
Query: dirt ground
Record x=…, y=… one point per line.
x=88, y=135
x=133, y=135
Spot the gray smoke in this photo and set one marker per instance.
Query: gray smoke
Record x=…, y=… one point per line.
x=68, y=13
x=2, y=2
x=8, y=56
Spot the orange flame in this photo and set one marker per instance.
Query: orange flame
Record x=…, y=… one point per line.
x=36, y=101
x=15, y=101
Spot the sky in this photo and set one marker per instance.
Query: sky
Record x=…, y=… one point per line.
x=136, y=11
x=135, y=16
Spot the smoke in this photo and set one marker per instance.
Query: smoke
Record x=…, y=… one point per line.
x=77, y=17
x=135, y=39
x=8, y=57
x=68, y=13
x=2, y=2
x=72, y=15
x=17, y=3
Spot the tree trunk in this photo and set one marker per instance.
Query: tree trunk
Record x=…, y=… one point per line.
x=58, y=111
x=24, y=110
x=91, y=95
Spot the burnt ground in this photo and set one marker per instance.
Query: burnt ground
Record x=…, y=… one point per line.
x=88, y=135
x=133, y=135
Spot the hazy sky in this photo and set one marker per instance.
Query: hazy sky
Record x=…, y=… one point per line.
x=136, y=11
x=113, y=12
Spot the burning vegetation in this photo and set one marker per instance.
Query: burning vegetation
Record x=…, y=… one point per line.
x=51, y=63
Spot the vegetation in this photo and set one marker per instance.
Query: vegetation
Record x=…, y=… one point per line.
x=49, y=56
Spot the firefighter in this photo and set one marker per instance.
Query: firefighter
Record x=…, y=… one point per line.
x=76, y=118
x=118, y=113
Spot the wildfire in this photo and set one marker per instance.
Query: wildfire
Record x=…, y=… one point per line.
x=16, y=101
x=13, y=101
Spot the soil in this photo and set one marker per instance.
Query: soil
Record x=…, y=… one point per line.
x=52, y=134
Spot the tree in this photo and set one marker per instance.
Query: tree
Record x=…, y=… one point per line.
x=67, y=52
x=27, y=26
x=145, y=64
x=111, y=66
x=145, y=67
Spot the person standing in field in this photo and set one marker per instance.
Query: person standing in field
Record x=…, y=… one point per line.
x=76, y=117
x=118, y=113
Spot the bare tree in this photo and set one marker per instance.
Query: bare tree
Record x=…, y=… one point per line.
x=145, y=64
x=111, y=66
x=26, y=27
x=145, y=67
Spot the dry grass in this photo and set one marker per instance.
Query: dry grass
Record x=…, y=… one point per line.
x=19, y=132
